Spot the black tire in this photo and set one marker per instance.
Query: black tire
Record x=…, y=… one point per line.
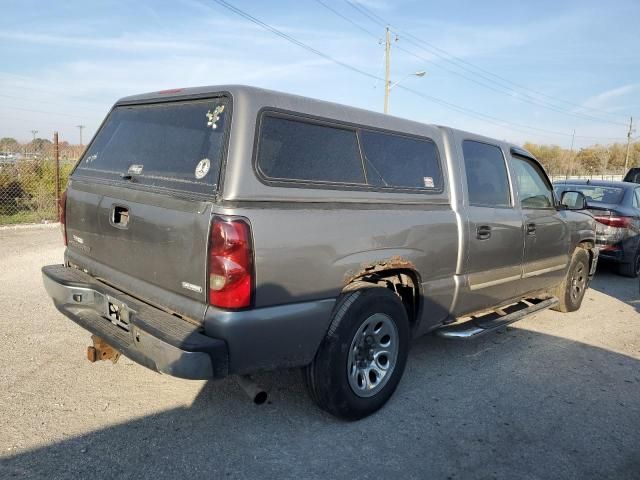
x=631, y=269
x=327, y=377
x=572, y=289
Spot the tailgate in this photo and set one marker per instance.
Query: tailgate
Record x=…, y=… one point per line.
x=162, y=242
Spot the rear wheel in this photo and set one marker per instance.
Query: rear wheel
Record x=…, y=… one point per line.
x=361, y=360
x=572, y=289
x=631, y=269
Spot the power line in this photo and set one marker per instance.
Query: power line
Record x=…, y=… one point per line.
x=291, y=39
x=48, y=102
x=518, y=95
x=347, y=19
x=41, y=111
x=462, y=64
x=445, y=103
x=371, y=17
x=496, y=120
x=43, y=122
x=453, y=106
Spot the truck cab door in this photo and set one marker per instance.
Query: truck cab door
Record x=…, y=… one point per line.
x=547, y=235
x=493, y=263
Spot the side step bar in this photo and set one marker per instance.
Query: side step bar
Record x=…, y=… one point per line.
x=479, y=325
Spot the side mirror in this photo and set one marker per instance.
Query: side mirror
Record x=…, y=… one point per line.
x=573, y=200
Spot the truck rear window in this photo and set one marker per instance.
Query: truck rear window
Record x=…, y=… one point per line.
x=176, y=145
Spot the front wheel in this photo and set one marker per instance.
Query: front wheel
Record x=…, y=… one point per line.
x=572, y=289
x=361, y=360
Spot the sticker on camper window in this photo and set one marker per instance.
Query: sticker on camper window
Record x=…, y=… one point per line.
x=428, y=182
x=213, y=117
x=202, y=168
x=135, y=169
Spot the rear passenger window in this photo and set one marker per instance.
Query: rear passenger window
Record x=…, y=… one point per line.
x=398, y=161
x=487, y=180
x=296, y=150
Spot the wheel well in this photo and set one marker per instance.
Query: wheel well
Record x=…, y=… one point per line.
x=587, y=245
x=402, y=282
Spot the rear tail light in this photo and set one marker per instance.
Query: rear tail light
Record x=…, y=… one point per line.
x=63, y=216
x=614, y=221
x=230, y=263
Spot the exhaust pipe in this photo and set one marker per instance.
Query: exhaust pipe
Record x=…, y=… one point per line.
x=255, y=392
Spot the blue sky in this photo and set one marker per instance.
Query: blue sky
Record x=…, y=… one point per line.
x=64, y=63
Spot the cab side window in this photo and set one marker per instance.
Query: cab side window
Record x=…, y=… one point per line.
x=396, y=161
x=487, y=180
x=533, y=187
x=296, y=150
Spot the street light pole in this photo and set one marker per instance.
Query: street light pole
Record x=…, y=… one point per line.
x=420, y=73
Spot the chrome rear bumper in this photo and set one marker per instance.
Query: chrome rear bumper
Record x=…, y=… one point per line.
x=147, y=335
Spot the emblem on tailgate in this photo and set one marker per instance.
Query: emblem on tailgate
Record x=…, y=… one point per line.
x=78, y=243
x=135, y=169
x=192, y=287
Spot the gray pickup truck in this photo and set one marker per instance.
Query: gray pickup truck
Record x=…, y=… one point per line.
x=226, y=230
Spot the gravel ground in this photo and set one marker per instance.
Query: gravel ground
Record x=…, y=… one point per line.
x=556, y=396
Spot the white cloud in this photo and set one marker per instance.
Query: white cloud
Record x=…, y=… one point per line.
x=127, y=42
x=604, y=100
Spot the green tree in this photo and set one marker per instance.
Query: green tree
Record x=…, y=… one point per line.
x=9, y=145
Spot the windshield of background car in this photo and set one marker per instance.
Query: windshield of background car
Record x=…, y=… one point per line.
x=594, y=193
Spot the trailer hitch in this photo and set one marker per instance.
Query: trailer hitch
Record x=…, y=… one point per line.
x=101, y=350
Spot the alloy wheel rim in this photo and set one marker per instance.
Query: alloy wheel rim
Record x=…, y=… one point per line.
x=578, y=282
x=373, y=355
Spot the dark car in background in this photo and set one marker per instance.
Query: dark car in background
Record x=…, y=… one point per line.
x=633, y=175
x=616, y=208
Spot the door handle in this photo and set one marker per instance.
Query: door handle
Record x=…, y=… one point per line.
x=531, y=228
x=483, y=232
x=119, y=216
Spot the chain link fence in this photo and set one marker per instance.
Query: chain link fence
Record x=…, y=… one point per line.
x=32, y=176
x=615, y=176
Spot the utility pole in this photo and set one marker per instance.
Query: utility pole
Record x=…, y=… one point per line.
x=387, y=69
x=626, y=159
x=80, y=127
x=573, y=137
x=56, y=157
x=33, y=144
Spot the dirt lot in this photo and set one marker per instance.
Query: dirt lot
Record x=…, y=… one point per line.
x=556, y=396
